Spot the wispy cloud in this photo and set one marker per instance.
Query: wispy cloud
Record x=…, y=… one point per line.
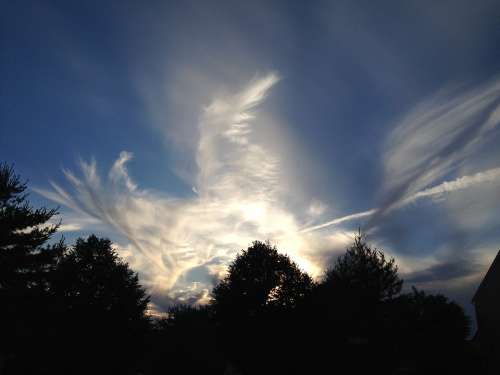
x=460, y=183
x=435, y=138
x=181, y=246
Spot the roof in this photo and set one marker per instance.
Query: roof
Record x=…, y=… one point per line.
x=493, y=271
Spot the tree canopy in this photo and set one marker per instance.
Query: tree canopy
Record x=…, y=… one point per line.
x=92, y=276
x=254, y=306
x=260, y=279
x=101, y=295
x=80, y=309
x=24, y=260
x=27, y=265
x=365, y=270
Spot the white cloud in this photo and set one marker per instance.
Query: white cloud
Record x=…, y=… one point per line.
x=435, y=138
x=461, y=183
x=181, y=246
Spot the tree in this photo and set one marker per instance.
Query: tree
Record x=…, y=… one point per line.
x=24, y=262
x=434, y=317
x=26, y=267
x=260, y=280
x=350, y=307
x=365, y=271
x=104, y=307
x=431, y=332
x=255, y=305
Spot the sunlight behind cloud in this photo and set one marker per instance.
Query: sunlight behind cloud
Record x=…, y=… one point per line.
x=182, y=246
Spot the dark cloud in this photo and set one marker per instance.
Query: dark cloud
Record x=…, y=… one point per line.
x=444, y=271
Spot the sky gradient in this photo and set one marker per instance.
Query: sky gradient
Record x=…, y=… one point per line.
x=185, y=130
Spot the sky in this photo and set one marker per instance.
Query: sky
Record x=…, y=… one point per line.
x=183, y=131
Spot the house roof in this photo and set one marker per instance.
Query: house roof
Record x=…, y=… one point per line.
x=493, y=272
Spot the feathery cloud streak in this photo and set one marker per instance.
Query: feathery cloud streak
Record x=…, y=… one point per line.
x=460, y=183
x=181, y=246
x=434, y=139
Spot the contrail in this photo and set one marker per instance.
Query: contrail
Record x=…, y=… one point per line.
x=339, y=220
x=460, y=183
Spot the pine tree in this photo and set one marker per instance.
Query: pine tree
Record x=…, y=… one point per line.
x=27, y=263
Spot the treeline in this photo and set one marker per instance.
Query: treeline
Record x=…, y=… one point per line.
x=81, y=310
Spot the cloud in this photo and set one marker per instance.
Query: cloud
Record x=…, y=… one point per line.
x=444, y=271
x=460, y=183
x=464, y=182
x=434, y=139
x=443, y=136
x=181, y=247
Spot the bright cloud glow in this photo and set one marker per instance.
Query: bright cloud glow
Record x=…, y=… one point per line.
x=182, y=246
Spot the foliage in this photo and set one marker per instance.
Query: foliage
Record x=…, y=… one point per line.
x=365, y=271
x=24, y=262
x=81, y=310
x=104, y=304
x=255, y=309
x=432, y=332
x=27, y=263
x=92, y=277
x=433, y=318
x=260, y=280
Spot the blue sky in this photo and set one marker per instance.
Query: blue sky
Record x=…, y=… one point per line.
x=185, y=130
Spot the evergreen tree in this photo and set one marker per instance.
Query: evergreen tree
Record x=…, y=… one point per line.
x=25, y=263
x=366, y=272
x=26, y=268
x=350, y=306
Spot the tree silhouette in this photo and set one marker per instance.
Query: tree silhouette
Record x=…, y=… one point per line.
x=435, y=317
x=81, y=310
x=260, y=280
x=26, y=268
x=104, y=308
x=355, y=288
x=349, y=306
x=254, y=306
x=366, y=271
x=430, y=331
x=24, y=262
